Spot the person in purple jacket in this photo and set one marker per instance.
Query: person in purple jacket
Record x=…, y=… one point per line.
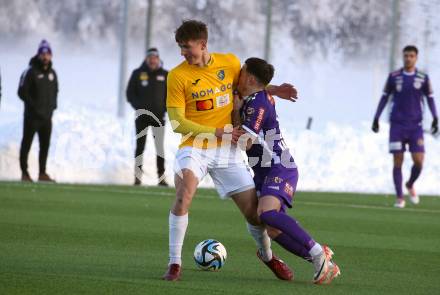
x=407, y=87
x=275, y=171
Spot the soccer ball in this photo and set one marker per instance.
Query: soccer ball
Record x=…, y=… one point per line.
x=210, y=255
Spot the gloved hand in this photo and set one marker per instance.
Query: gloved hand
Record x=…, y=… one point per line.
x=434, y=126
x=375, y=126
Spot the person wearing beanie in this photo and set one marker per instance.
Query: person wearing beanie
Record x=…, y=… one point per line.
x=38, y=88
x=147, y=92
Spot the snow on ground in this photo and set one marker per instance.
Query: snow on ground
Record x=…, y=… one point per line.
x=91, y=145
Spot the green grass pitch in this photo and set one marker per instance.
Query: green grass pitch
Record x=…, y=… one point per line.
x=82, y=239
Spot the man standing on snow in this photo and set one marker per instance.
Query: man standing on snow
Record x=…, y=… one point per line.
x=38, y=89
x=147, y=92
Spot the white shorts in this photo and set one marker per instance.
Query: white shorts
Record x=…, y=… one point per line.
x=225, y=165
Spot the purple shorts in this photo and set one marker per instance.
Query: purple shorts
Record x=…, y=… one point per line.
x=401, y=135
x=277, y=181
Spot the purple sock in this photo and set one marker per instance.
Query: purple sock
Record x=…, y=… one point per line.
x=293, y=246
x=415, y=173
x=289, y=226
x=397, y=177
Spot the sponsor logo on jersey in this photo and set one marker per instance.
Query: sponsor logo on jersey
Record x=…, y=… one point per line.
x=222, y=100
x=288, y=189
x=40, y=76
x=417, y=84
x=259, y=119
x=211, y=91
x=205, y=105
x=221, y=74
x=250, y=111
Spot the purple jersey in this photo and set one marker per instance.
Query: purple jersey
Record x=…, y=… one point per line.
x=275, y=171
x=260, y=119
x=407, y=91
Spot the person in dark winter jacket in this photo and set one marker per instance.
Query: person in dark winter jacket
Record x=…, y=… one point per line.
x=38, y=89
x=146, y=92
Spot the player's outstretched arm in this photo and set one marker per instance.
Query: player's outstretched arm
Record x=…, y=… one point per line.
x=284, y=91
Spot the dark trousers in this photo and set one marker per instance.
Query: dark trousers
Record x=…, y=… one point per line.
x=44, y=129
x=142, y=125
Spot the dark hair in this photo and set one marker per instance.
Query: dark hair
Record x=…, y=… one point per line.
x=260, y=69
x=191, y=30
x=411, y=48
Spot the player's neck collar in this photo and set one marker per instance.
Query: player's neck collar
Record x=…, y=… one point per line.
x=253, y=95
x=412, y=73
x=210, y=61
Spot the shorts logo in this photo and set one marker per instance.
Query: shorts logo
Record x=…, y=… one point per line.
x=257, y=124
x=221, y=74
x=274, y=187
x=250, y=111
x=278, y=179
x=288, y=189
x=395, y=146
x=420, y=142
x=275, y=179
x=204, y=105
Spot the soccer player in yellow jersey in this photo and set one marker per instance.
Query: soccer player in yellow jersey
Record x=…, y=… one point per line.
x=199, y=104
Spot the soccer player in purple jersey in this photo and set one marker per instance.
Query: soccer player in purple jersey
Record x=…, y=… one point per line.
x=275, y=172
x=407, y=87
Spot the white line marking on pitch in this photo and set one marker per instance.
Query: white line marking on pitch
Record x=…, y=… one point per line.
x=105, y=189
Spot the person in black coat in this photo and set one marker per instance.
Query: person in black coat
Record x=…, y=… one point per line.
x=147, y=92
x=38, y=89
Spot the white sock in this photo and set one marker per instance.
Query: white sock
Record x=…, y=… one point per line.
x=316, y=250
x=262, y=239
x=177, y=230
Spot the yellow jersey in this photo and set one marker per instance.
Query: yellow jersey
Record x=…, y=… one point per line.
x=206, y=93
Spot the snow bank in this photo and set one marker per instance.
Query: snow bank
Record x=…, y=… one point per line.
x=93, y=147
